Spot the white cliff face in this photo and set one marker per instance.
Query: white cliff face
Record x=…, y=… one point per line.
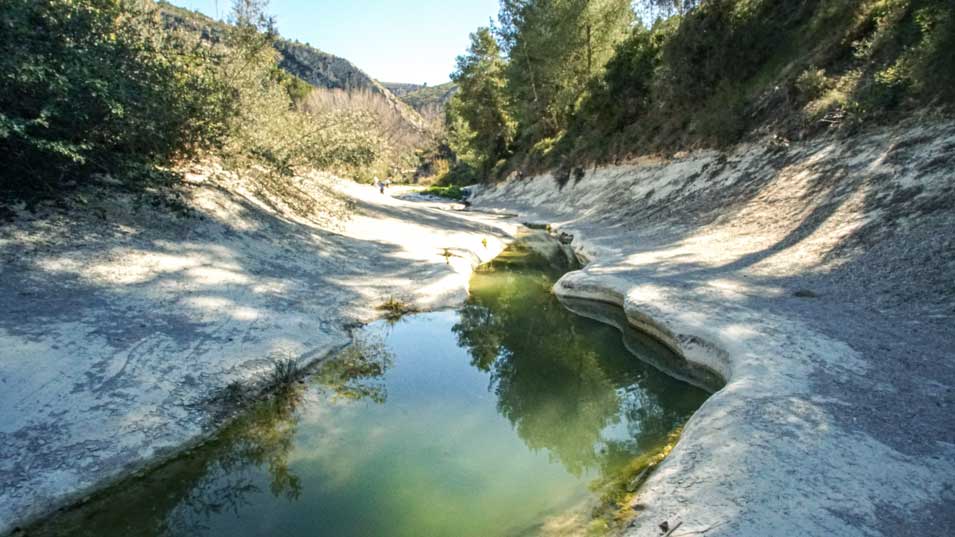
x=817, y=281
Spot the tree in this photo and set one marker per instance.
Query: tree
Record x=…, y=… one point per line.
x=482, y=103
x=555, y=48
x=98, y=86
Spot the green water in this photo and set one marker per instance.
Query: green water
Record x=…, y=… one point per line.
x=492, y=420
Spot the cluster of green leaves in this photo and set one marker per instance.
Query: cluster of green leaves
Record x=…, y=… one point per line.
x=520, y=83
x=564, y=83
x=453, y=192
x=480, y=116
x=110, y=87
x=94, y=86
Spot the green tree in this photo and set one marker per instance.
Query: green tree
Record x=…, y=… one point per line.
x=98, y=86
x=555, y=48
x=481, y=103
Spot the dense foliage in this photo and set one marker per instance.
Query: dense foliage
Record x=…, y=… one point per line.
x=484, y=125
x=94, y=87
x=563, y=83
x=367, y=134
x=106, y=87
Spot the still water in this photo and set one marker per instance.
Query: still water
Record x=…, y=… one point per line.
x=498, y=419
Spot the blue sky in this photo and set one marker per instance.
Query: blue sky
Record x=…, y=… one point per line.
x=392, y=40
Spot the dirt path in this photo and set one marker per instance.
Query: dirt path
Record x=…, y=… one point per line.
x=819, y=279
x=119, y=322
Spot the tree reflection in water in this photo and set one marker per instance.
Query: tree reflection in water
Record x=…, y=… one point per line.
x=439, y=455
x=566, y=383
x=225, y=473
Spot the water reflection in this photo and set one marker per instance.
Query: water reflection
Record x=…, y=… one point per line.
x=223, y=477
x=560, y=379
x=411, y=431
x=262, y=439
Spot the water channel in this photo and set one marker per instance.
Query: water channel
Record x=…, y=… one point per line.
x=505, y=417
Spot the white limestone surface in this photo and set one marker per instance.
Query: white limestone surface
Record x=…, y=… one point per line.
x=120, y=322
x=819, y=281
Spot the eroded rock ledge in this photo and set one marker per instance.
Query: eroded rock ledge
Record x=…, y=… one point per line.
x=121, y=322
x=816, y=280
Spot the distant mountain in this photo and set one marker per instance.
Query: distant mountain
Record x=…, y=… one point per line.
x=400, y=89
x=422, y=97
x=318, y=68
x=325, y=70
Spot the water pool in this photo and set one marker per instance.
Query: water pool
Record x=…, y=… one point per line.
x=504, y=417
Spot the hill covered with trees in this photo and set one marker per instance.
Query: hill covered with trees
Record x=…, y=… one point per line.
x=304, y=62
x=563, y=84
x=422, y=97
x=130, y=90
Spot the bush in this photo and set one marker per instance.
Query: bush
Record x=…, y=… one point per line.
x=364, y=135
x=118, y=87
x=97, y=86
x=453, y=192
x=630, y=75
x=812, y=83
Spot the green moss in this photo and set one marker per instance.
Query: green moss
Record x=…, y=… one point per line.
x=619, y=491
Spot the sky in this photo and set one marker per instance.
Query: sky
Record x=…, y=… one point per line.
x=391, y=40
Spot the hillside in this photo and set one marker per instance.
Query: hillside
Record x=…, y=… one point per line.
x=422, y=97
x=318, y=68
x=535, y=97
x=400, y=89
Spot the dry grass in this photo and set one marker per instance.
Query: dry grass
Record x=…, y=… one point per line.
x=399, y=136
x=395, y=308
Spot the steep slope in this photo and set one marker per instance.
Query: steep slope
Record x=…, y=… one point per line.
x=318, y=68
x=325, y=70
x=422, y=97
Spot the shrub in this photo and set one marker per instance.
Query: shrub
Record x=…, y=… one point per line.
x=284, y=375
x=119, y=87
x=812, y=83
x=395, y=309
x=453, y=192
x=97, y=86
